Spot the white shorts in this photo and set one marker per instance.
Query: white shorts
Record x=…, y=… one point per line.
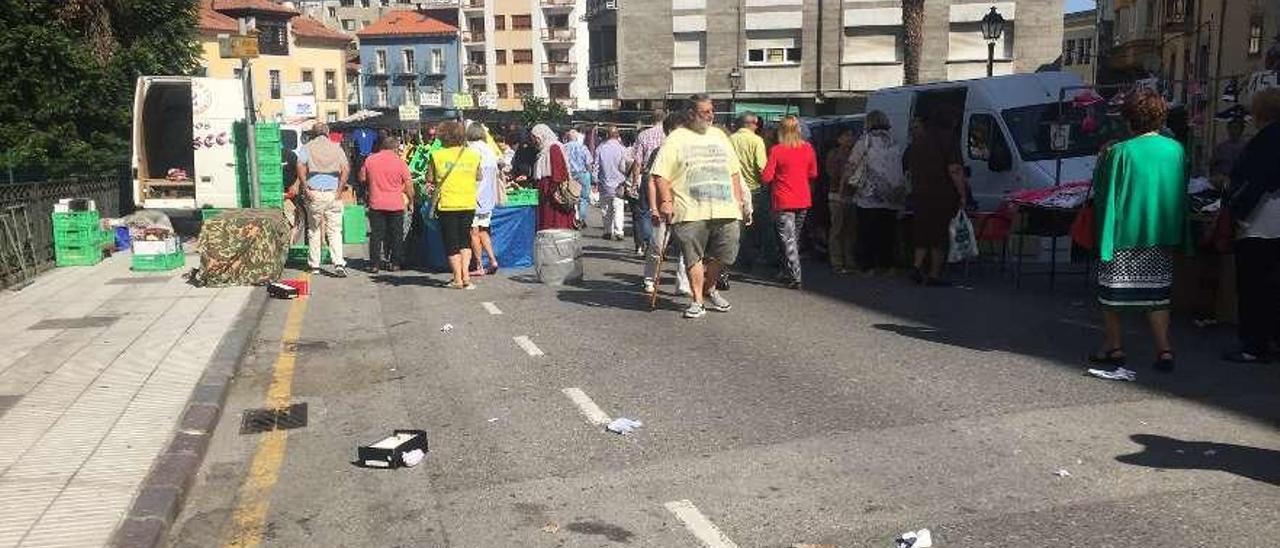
x=482, y=220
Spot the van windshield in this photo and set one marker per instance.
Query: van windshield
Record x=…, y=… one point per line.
x=1088, y=129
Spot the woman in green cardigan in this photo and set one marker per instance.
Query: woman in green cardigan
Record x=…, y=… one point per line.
x=1140, y=207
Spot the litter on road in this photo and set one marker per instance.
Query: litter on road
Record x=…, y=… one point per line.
x=402, y=448
x=916, y=539
x=1062, y=473
x=446, y=328
x=623, y=426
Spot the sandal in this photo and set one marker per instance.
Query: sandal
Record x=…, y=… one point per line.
x=1164, y=362
x=1114, y=357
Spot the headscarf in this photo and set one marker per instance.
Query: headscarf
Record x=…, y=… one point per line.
x=546, y=140
x=325, y=156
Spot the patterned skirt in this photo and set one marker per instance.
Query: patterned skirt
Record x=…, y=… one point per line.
x=1139, y=277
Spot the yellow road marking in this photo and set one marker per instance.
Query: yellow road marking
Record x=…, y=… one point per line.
x=253, y=500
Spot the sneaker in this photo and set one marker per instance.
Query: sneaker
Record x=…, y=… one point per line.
x=717, y=302
x=694, y=311
x=315, y=271
x=340, y=272
x=640, y=251
x=1117, y=374
x=649, y=286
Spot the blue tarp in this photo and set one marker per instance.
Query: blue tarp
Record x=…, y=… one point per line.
x=512, y=231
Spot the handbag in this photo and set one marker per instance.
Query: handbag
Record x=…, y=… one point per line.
x=569, y=192
x=1083, y=228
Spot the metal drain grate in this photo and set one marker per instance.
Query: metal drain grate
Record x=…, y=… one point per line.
x=140, y=280
x=255, y=421
x=75, y=323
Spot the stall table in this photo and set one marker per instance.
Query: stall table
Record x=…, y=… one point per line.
x=512, y=230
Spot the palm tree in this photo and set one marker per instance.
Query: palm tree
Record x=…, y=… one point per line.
x=912, y=40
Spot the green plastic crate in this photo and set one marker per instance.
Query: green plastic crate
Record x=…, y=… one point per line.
x=355, y=226
x=87, y=220
x=524, y=197
x=86, y=255
x=159, y=263
x=209, y=213
x=298, y=255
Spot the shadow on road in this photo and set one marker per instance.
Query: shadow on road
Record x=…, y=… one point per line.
x=1170, y=453
x=932, y=335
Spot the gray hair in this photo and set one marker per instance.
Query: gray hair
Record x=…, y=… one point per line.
x=477, y=132
x=320, y=128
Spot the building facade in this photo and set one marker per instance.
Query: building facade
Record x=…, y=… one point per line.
x=408, y=58
x=294, y=49
x=808, y=51
x=352, y=16
x=1079, y=44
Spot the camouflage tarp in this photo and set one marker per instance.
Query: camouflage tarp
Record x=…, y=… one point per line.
x=243, y=247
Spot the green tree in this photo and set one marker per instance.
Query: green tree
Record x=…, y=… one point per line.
x=537, y=110
x=70, y=68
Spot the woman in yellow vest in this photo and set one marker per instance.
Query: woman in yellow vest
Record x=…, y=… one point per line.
x=454, y=171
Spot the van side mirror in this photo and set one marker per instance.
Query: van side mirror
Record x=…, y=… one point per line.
x=1001, y=159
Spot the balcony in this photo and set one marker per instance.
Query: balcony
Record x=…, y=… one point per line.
x=374, y=71
x=603, y=76
x=559, y=35
x=473, y=37
x=557, y=5
x=440, y=4
x=595, y=8
x=567, y=102
x=559, y=70
x=472, y=5
x=476, y=70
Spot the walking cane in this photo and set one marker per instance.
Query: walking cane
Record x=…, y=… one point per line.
x=657, y=274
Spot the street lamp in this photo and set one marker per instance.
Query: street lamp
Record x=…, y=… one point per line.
x=992, y=28
x=735, y=83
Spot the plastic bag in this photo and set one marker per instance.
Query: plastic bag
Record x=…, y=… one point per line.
x=964, y=243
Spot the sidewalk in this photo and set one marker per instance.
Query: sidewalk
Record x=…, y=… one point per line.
x=96, y=366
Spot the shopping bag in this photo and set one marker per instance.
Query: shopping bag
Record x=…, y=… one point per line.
x=964, y=243
x=1082, y=229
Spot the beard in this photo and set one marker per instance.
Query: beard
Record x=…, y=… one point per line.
x=698, y=125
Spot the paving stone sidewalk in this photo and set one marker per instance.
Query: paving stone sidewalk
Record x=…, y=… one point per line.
x=96, y=368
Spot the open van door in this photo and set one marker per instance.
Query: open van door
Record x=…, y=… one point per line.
x=989, y=158
x=216, y=104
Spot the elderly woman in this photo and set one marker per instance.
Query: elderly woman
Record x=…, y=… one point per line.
x=1140, y=207
x=551, y=170
x=1254, y=201
x=937, y=183
x=878, y=191
x=454, y=172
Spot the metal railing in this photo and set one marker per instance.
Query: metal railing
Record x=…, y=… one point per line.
x=473, y=37
x=476, y=69
x=559, y=70
x=565, y=34
x=26, y=225
x=603, y=75
x=472, y=4
x=557, y=4
x=566, y=102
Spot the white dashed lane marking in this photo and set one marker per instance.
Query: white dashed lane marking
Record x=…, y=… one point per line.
x=528, y=346
x=699, y=525
x=589, y=409
x=491, y=308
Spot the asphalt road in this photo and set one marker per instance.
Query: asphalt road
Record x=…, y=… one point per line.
x=844, y=415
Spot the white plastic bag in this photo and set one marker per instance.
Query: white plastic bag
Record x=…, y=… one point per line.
x=964, y=243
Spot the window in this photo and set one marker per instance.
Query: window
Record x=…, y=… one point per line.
x=348, y=25
x=330, y=85
x=499, y=22
x=309, y=76
x=331, y=116
x=333, y=12
x=689, y=49
x=1255, y=35
x=773, y=47
x=384, y=3
x=364, y=3
x=1068, y=53
x=383, y=92
x=522, y=56
x=366, y=23
x=521, y=22
x=237, y=73
x=502, y=91
x=773, y=56
x=522, y=90
x=380, y=62
x=273, y=83
x=1086, y=54
x=500, y=57
x=273, y=38
x=411, y=92
x=409, y=62
x=347, y=3
x=437, y=61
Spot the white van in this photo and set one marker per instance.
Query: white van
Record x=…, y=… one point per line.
x=185, y=123
x=1005, y=129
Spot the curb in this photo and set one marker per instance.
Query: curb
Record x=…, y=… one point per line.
x=162, y=492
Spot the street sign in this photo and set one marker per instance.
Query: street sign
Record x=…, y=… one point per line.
x=238, y=46
x=431, y=98
x=463, y=100
x=488, y=100
x=300, y=106
x=299, y=88
x=1060, y=136
x=408, y=113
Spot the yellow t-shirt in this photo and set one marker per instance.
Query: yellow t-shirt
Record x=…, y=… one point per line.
x=701, y=169
x=458, y=191
x=752, y=156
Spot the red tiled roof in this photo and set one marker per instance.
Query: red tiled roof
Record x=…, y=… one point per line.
x=306, y=27
x=267, y=6
x=210, y=20
x=407, y=23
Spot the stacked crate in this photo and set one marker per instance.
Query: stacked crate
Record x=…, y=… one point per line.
x=77, y=238
x=269, y=162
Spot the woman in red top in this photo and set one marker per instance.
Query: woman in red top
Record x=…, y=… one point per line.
x=791, y=169
x=549, y=171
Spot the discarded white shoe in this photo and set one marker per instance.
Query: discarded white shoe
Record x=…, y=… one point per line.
x=1117, y=374
x=623, y=426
